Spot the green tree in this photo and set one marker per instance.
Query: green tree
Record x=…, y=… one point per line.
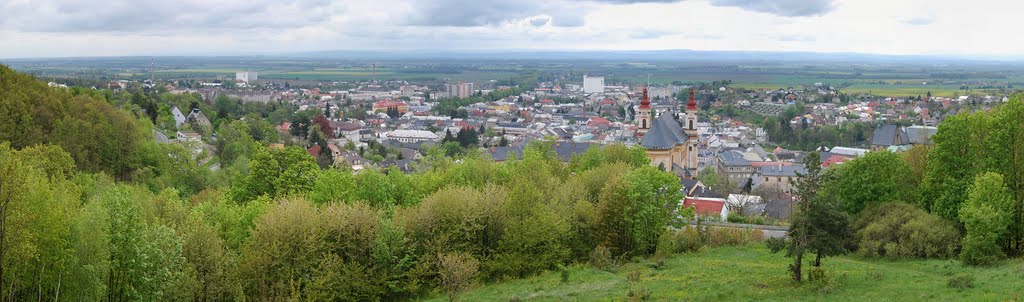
x=818, y=224
x=876, y=177
x=333, y=185
x=986, y=215
x=276, y=172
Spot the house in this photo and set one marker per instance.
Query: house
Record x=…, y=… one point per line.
x=708, y=207
x=745, y=204
x=198, y=119
x=179, y=118
x=781, y=178
x=892, y=135
x=412, y=136
x=733, y=165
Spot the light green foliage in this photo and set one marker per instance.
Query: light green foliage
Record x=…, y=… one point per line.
x=283, y=252
x=876, y=177
x=145, y=260
x=596, y=156
x=986, y=215
x=900, y=230
x=37, y=208
x=373, y=187
x=277, y=172
x=651, y=197
x=333, y=185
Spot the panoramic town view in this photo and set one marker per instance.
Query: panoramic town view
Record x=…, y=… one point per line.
x=500, y=150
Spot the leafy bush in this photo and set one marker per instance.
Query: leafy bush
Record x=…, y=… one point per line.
x=733, y=236
x=458, y=272
x=690, y=240
x=902, y=230
x=750, y=219
x=961, y=282
x=601, y=258
x=775, y=244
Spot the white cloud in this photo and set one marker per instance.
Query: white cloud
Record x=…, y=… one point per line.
x=32, y=28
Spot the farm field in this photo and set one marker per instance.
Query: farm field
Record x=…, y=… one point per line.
x=752, y=273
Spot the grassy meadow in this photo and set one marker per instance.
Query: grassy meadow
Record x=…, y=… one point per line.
x=752, y=273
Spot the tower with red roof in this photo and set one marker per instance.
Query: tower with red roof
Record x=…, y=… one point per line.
x=643, y=115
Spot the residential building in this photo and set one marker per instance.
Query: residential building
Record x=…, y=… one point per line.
x=246, y=76
x=593, y=84
x=460, y=90
x=781, y=178
x=732, y=165
x=412, y=136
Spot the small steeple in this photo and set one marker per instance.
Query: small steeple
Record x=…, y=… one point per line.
x=645, y=102
x=692, y=103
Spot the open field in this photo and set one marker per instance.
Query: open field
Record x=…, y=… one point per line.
x=752, y=273
x=881, y=78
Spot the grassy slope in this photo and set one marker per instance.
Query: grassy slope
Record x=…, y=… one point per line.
x=752, y=273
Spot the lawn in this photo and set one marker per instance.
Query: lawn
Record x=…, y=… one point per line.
x=752, y=273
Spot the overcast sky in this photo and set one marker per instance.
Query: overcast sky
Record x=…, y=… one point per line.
x=66, y=28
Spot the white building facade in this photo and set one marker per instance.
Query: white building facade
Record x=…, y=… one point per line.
x=246, y=76
x=593, y=84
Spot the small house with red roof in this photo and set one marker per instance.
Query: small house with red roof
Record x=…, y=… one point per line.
x=707, y=207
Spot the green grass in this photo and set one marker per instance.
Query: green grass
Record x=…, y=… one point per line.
x=752, y=273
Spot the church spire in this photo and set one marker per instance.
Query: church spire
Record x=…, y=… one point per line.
x=645, y=102
x=692, y=103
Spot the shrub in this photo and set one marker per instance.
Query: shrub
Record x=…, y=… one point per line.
x=458, y=272
x=565, y=273
x=775, y=244
x=903, y=230
x=749, y=219
x=820, y=279
x=961, y=282
x=638, y=293
x=668, y=243
x=733, y=236
x=601, y=258
x=690, y=240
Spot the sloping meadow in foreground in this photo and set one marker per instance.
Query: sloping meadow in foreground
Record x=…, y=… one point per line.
x=751, y=272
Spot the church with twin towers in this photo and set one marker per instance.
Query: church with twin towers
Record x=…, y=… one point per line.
x=671, y=143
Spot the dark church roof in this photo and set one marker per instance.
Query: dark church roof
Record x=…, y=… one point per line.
x=665, y=133
x=889, y=135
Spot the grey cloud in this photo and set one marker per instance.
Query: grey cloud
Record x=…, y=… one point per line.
x=785, y=8
x=470, y=13
x=920, y=21
x=539, y=21
x=154, y=15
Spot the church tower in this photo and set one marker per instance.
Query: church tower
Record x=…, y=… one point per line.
x=643, y=115
x=690, y=127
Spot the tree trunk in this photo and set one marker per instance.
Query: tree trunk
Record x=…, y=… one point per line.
x=56, y=296
x=817, y=260
x=796, y=268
